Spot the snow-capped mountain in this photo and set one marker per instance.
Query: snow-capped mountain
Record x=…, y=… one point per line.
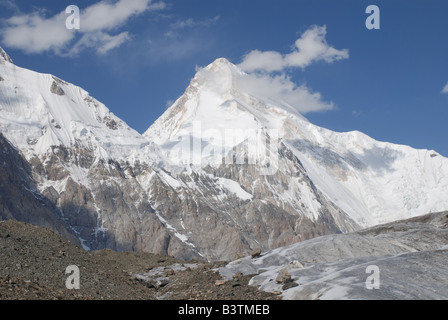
x=39, y=111
x=373, y=182
x=78, y=153
x=221, y=172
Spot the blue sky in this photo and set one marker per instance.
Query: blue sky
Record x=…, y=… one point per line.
x=136, y=56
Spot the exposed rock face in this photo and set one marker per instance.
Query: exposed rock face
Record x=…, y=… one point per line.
x=108, y=208
x=4, y=57
x=234, y=225
x=56, y=89
x=20, y=198
x=123, y=207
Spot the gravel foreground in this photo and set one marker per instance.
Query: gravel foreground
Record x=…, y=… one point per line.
x=34, y=261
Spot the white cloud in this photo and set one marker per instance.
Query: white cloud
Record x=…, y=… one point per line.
x=181, y=39
x=190, y=23
x=111, y=42
x=103, y=42
x=158, y=6
x=266, y=71
x=35, y=33
x=356, y=113
x=281, y=89
x=268, y=61
x=10, y=5
x=108, y=16
x=445, y=88
x=310, y=47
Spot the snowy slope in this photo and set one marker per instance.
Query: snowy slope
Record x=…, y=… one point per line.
x=38, y=111
x=375, y=182
x=372, y=181
x=213, y=116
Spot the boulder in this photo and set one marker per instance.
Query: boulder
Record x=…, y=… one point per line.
x=255, y=253
x=283, y=277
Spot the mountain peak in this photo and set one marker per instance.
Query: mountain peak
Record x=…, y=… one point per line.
x=4, y=56
x=220, y=62
x=218, y=76
x=223, y=65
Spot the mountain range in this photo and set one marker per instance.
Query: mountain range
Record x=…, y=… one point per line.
x=222, y=172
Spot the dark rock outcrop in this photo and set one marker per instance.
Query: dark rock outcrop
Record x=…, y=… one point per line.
x=56, y=89
x=20, y=198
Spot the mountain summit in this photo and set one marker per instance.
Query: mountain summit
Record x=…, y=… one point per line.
x=4, y=57
x=226, y=169
x=209, y=99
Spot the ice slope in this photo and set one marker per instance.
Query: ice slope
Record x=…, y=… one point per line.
x=373, y=182
x=410, y=257
x=213, y=116
x=38, y=111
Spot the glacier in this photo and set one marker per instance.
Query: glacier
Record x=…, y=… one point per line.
x=408, y=255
